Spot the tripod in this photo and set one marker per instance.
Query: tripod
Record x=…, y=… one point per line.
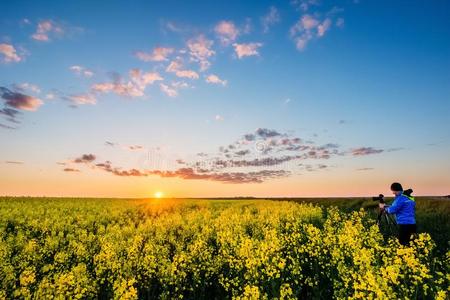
x=387, y=218
x=387, y=222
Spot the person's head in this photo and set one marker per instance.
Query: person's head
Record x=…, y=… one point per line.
x=396, y=188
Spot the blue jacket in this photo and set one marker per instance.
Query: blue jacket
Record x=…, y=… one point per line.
x=404, y=209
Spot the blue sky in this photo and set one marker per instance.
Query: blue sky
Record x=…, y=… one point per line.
x=172, y=79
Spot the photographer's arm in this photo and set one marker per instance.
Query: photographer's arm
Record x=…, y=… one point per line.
x=394, y=208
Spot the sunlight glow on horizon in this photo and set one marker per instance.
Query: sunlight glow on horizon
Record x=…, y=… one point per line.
x=158, y=194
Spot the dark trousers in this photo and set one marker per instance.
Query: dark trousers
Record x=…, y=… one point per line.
x=404, y=233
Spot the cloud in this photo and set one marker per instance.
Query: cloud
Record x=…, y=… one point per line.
x=191, y=174
x=308, y=28
x=304, y=5
x=134, y=87
x=365, y=169
x=14, y=162
x=157, y=54
x=9, y=54
x=214, y=79
x=281, y=155
x=219, y=118
x=82, y=99
x=169, y=91
x=340, y=22
x=200, y=50
x=187, y=74
x=225, y=177
x=173, y=27
x=7, y=126
x=79, y=70
x=23, y=87
x=71, y=170
x=365, y=151
x=313, y=25
x=135, y=147
x=85, y=158
x=176, y=66
x=271, y=18
x=48, y=29
x=323, y=27
x=20, y=101
x=243, y=50
x=226, y=31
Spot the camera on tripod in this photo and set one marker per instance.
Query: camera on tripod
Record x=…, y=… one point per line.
x=380, y=197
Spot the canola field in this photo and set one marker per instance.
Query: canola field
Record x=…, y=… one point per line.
x=70, y=248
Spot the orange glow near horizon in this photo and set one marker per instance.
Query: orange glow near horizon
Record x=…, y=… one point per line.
x=158, y=194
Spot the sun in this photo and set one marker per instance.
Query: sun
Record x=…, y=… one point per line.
x=158, y=194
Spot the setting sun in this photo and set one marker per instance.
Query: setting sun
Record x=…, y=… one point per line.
x=159, y=194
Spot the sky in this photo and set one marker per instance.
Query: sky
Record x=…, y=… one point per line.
x=301, y=98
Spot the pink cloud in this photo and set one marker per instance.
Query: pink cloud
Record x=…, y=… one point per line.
x=200, y=50
x=308, y=28
x=187, y=74
x=215, y=80
x=365, y=151
x=169, y=91
x=45, y=28
x=158, y=54
x=323, y=27
x=20, y=101
x=82, y=99
x=176, y=67
x=9, y=53
x=226, y=31
x=79, y=70
x=249, y=49
x=134, y=87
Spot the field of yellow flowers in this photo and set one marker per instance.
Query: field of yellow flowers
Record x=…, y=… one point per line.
x=207, y=249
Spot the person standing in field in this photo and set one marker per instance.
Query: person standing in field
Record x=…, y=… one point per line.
x=404, y=208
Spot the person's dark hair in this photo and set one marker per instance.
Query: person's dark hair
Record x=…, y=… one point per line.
x=397, y=187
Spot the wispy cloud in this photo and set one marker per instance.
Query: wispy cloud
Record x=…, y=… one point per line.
x=271, y=18
x=14, y=162
x=81, y=99
x=48, y=29
x=365, y=169
x=157, y=54
x=219, y=118
x=176, y=67
x=365, y=151
x=255, y=157
x=190, y=173
x=133, y=87
x=168, y=90
x=313, y=25
x=79, y=70
x=26, y=86
x=8, y=54
x=304, y=5
x=249, y=49
x=20, y=101
x=7, y=126
x=71, y=170
x=187, y=74
x=227, y=32
x=85, y=158
x=200, y=50
x=215, y=80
